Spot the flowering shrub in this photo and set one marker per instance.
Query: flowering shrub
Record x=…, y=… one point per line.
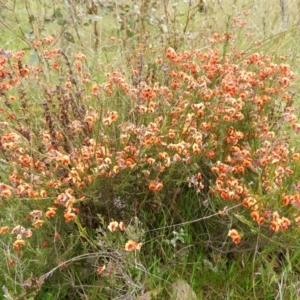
x=74, y=146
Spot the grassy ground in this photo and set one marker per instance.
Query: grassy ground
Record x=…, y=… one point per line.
x=183, y=238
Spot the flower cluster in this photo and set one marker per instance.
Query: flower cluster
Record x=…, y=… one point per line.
x=208, y=119
x=235, y=236
x=130, y=245
x=114, y=226
x=21, y=233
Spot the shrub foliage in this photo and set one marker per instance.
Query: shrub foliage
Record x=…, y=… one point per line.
x=79, y=150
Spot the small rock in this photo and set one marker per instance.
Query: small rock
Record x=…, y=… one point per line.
x=181, y=290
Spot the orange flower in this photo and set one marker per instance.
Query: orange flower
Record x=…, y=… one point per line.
x=285, y=223
x=155, y=186
x=122, y=226
x=64, y=159
x=69, y=216
x=132, y=245
x=139, y=246
x=48, y=39
x=130, y=162
x=226, y=118
x=150, y=161
x=43, y=193
x=255, y=216
x=101, y=269
x=50, y=213
x=274, y=226
x=176, y=157
x=286, y=200
x=297, y=220
x=113, y=115
x=239, y=189
x=18, y=244
x=275, y=216
x=210, y=154
x=107, y=121
x=215, y=169
x=175, y=84
x=32, y=194
x=4, y=229
x=205, y=126
x=261, y=221
x=70, y=202
x=28, y=233
x=170, y=53
x=196, y=149
x=37, y=43
x=11, y=262
x=56, y=66
x=5, y=190
x=38, y=223
x=235, y=236
x=159, y=60
x=80, y=56
x=95, y=88
x=45, y=244
x=113, y=226
x=248, y=202
x=68, y=84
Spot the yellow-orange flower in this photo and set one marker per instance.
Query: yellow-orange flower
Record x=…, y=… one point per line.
x=38, y=223
x=5, y=190
x=255, y=215
x=261, y=221
x=50, y=213
x=64, y=159
x=4, y=229
x=235, y=236
x=139, y=246
x=285, y=223
x=297, y=220
x=274, y=226
x=249, y=201
x=131, y=245
x=275, y=216
x=113, y=226
x=101, y=269
x=155, y=186
x=43, y=193
x=11, y=262
x=69, y=216
x=122, y=226
x=28, y=233
x=113, y=115
x=18, y=244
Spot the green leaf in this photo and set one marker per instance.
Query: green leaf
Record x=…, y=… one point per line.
x=59, y=17
x=57, y=13
x=129, y=33
x=69, y=37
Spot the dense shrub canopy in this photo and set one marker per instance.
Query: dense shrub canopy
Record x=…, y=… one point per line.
x=176, y=137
